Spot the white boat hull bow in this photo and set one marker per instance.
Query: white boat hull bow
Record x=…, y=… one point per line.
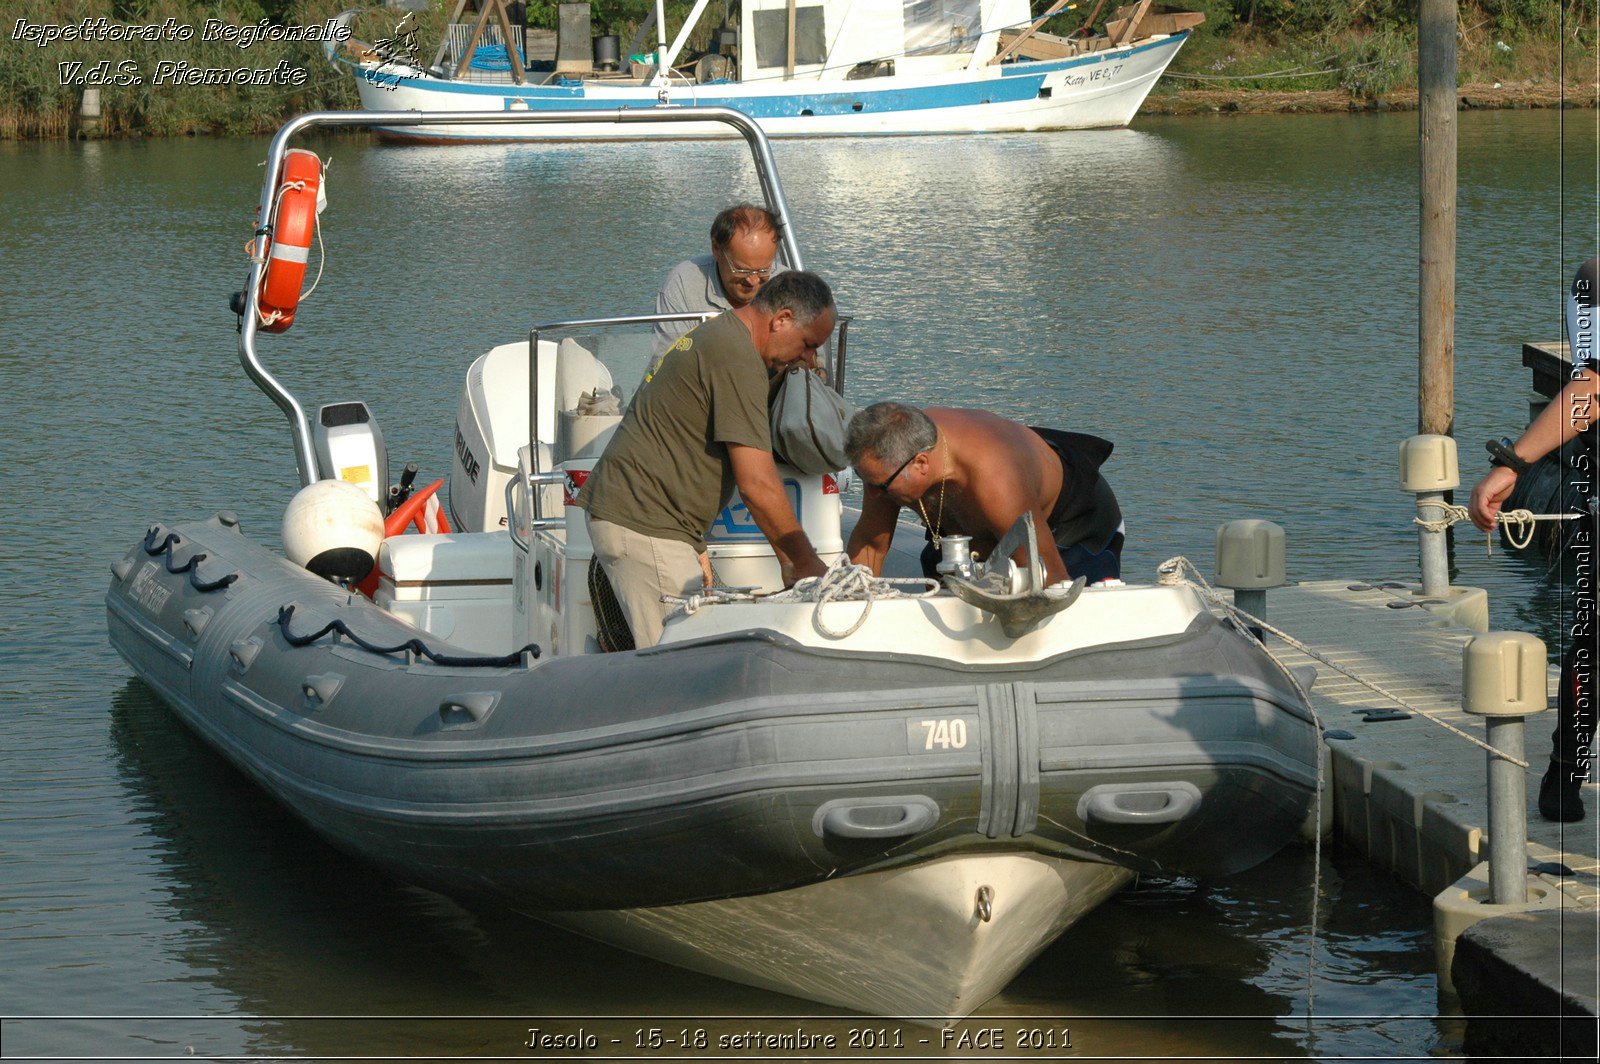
x=932, y=941
x=1096, y=91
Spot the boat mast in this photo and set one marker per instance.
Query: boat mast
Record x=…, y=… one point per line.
x=661, y=43
x=664, y=64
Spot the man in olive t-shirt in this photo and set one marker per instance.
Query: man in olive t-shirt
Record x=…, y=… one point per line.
x=696, y=431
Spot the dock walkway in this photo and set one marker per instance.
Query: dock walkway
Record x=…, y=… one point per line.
x=1413, y=798
x=1409, y=794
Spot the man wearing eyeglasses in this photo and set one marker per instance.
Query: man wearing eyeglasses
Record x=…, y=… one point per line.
x=744, y=250
x=973, y=473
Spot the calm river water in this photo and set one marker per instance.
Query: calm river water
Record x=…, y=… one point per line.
x=1231, y=300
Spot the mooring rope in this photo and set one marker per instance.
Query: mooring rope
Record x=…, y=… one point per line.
x=1520, y=525
x=1171, y=573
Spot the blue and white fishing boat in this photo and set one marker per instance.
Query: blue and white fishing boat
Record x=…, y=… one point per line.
x=829, y=68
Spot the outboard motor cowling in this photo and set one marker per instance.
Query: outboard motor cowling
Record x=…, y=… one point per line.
x=492, y=425
x=350, y=448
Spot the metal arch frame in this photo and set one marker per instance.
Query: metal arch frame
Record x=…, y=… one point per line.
x=300, y=424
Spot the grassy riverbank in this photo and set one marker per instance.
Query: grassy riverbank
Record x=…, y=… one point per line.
x=155, y=87
x=1249, y=56
x=1342, y=55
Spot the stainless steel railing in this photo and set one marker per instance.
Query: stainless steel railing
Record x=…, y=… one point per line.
x=300, y=425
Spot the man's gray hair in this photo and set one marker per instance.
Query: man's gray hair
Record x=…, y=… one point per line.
x=892, y=431
x=799, y=291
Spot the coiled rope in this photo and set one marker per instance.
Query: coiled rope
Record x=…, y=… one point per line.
x=411, y=646
x=843, y=582
x=192, y=566
x=1520, y=525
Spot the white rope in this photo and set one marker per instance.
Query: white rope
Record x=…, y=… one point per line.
x=843, y=582
x=259, y=246
x=316, y=229
x=1171, y=573
x=322, y=258
x=1520, y=525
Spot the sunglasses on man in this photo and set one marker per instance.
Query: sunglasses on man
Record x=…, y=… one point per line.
x=892, y=476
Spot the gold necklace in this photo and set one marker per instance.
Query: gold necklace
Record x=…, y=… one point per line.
x=934, y=527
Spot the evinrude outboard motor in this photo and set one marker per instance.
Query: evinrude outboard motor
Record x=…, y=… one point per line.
x=350, y=448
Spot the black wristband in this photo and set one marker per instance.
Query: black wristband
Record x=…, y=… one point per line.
x=1501, y=454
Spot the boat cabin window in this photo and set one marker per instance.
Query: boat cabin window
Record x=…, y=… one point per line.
x=772, y=37
x=942, y=27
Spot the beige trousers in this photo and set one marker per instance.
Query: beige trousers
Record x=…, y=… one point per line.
x=641, y=569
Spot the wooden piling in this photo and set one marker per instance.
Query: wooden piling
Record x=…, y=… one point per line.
x=1436, y=296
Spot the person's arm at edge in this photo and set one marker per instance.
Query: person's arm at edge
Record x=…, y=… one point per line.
x=1569, y=413
x=761, y=488
x=874, y=532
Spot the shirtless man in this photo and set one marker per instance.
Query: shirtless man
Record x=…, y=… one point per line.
x=973, y=473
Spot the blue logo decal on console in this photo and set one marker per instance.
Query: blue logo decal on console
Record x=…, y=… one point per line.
x=734, y=524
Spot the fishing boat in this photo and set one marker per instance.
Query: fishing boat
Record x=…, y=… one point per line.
x=838, y=67
x=889, y=800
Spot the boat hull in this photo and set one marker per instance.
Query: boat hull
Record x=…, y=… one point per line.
x=1095, y=91
x=932, y=941
x=741, y=781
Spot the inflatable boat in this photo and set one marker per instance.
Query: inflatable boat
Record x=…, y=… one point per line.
x=889, y=803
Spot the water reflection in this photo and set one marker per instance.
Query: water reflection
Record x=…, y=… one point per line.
x=290, y=927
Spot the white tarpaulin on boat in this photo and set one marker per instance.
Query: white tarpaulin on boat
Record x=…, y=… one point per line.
x=832, y=38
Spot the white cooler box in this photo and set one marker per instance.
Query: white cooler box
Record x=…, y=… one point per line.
x=456, y=586
x=741, y=556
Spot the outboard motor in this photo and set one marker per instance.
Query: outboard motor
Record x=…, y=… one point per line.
x=350, y=448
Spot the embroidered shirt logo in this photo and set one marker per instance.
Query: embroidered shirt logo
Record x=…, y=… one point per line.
x=684, y=343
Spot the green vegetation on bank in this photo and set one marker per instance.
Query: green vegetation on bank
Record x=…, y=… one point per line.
x=144, y=85
x=1366, y=48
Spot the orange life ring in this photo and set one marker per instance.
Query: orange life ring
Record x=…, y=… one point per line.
x=416, y=513
x=293, y=224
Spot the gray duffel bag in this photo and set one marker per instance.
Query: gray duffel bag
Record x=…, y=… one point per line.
x=808, y=423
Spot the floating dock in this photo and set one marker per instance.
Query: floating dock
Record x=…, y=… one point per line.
x=1413, y=798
